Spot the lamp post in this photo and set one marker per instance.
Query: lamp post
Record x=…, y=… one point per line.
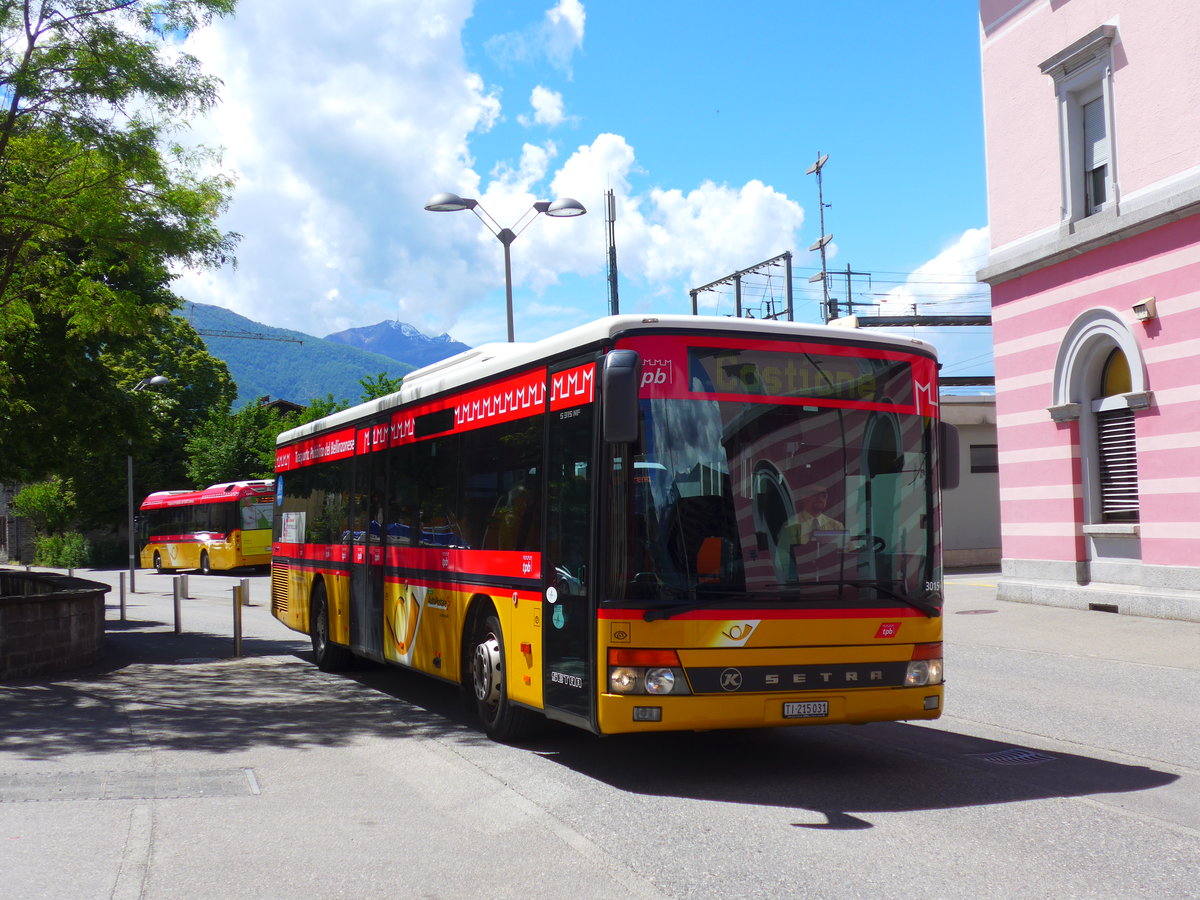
x=155, y=382
x=563, y=207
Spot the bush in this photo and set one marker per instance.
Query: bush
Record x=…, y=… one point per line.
x=70, y=550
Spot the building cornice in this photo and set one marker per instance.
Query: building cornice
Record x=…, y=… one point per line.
x=1120, y=221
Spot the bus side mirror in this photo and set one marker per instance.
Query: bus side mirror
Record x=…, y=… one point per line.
x=948, y=462
x=622, y=372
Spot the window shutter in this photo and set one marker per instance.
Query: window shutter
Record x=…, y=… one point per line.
x=1118, y=466
x=1095, y=135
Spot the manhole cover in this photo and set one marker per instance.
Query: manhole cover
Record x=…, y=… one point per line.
x=1017, y=756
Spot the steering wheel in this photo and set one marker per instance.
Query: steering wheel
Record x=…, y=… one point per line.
x=878, y=544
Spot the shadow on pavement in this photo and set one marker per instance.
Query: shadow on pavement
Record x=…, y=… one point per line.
x=169, y=692
x=182, y=692
x=841, y=770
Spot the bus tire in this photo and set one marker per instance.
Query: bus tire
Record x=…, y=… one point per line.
x=328, y=656
x=205, y=565
x=502, y=720
x=158, y=566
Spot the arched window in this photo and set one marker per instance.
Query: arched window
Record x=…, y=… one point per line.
x=1099, y=380
x=1116, y=445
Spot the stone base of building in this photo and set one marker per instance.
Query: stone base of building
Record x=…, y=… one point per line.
x=1128, y=587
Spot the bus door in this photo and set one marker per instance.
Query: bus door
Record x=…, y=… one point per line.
x=366, y=552
x=568, y=593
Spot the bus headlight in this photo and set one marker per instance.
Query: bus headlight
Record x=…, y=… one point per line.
x=623, y=680
x=660, y=681
x=923, y=672
x=634, y=671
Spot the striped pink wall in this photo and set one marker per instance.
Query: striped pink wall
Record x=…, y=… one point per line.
x=1040, y=478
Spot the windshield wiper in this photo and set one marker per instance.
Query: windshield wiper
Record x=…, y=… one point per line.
x=931, y=611
x=694, y=602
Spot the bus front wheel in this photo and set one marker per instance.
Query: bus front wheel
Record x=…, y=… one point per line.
x=205, y=566
x=329, y=657
x=158, y=566
x=502, y=720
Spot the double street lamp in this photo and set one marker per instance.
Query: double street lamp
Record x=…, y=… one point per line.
x=155, y=382
x=563, y=207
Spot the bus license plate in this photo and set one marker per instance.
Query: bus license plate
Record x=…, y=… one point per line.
x=807, y=709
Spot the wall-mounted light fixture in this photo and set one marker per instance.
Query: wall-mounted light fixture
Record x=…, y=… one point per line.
x=1145, y=310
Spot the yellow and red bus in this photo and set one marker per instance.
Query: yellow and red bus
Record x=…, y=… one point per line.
x=642, y=524
x=225, y=526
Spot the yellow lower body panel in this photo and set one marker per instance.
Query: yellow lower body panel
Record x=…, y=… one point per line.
x=710, y=712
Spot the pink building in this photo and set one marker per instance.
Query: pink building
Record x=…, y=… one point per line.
x=1092, y=118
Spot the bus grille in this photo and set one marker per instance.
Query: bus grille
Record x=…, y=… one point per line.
x=279, y=588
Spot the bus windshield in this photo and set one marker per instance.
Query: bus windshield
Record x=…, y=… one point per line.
x=777, y=477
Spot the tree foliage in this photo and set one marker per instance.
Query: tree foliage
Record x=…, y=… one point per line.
x=241, y=445
x=96, y=208
x=376, y=386
x=49, y=504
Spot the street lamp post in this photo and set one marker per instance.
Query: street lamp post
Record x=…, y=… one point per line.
x=156, y=382
x=563, y=207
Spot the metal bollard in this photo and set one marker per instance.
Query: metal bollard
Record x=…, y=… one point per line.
x=237, y=621
x=183, y=586
x=178, y=605
x=122, y=596
x=71, y=572
x=245, y=592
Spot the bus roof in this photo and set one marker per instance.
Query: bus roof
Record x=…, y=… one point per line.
x=217, y=493
x=489, y=360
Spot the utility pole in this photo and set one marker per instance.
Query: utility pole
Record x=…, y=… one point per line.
x=610, y=221
x=826, y=310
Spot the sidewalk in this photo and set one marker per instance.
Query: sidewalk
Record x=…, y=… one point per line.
x=173, y=769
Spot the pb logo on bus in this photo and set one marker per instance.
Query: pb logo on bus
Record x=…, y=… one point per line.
x=888, y=630
x=656, y=372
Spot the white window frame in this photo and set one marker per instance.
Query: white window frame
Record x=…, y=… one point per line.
x=1077, y=397
x=1082, y=73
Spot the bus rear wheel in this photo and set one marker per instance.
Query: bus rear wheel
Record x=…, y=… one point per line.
x=329, y=657
x=158, y=566
x=205, y=566
x=502, y=720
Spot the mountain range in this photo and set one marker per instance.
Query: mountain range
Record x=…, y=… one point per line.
x=291, y=365
x=401, y=342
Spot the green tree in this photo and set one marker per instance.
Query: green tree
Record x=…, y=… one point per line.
x=236, y=446
x=49, y=504
x=95, y=209
x=103, y=420
x=376, y=386
x=233, y=447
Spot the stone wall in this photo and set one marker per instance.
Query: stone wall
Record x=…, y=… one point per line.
x=49, y=623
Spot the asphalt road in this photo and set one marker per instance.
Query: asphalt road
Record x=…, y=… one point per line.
x=1066, y=766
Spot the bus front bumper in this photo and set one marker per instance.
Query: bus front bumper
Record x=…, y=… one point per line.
x=624, y=713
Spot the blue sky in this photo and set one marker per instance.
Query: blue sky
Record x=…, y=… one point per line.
x=341, y=120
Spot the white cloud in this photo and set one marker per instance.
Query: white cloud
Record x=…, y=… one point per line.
x=563, y=31
x=362, y=111
x=945, y=283
x=547, y=108
x=555, y=38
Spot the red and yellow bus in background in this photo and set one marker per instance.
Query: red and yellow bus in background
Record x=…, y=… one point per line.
x=225, y=526
x=646, y=523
